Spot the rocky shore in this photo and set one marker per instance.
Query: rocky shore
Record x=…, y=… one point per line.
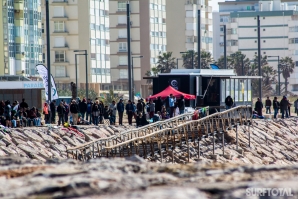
x=136, y=178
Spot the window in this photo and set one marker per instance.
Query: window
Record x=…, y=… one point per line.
x=59, y=56
x=189, y=39
x=59, y=42
x=122, y=60
x=190, y=13
x=123, y=47
x=60, y=71
x=122, y=33
x=293, y=29
x=232, y=31
x=295, y=52
x=297, y=63
x=190, y=26
x=122, y=20
x=121, y=5
x=123, y=74
x=59, y=26
x=232, y=42
x=224, y=19
x=58, y=11
x=221, y=29
x=293, y=41
x=96, y=71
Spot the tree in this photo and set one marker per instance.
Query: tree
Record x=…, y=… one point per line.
x=287, y=66
x=268, y=76
x=81, y=93
x=107, y=98
x=166, y=62
x=234, y=61
x=206, y=59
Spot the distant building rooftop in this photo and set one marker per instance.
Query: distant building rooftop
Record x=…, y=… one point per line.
x=14, y=78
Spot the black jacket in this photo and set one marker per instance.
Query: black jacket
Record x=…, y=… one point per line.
x=284, y=104
x=181, y=104
x=276, y=104
x=52, y=107
x=61, y=110
x=229, y=103
x=259, y=105
x=268, y=103
x=74, y=108
x=83, y=107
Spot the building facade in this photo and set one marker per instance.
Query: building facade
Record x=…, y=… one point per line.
x=279, y=30
x=182, y=17
x=79, y=25
x=148, y=39
x=20, y=37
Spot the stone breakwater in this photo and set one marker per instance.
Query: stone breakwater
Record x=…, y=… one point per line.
x=136, y=178
x=272, y=142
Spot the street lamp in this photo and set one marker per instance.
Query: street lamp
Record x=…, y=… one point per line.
x=278, y=71
x=192, y=55
x=86, y=69
x=177, y=61
x=132, y=75
x=242, y=61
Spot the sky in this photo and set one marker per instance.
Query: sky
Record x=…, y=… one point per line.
x=214, y=4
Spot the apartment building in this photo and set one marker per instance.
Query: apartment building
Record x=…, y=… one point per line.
x=79, y=25
x=182, y=17
x=279, y=30
x=20, y=37
x=148, y=39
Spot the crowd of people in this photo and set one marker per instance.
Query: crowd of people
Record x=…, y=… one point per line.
x=90, y=112
x=284, y=106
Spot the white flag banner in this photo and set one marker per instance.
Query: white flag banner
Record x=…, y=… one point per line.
x=43, y=73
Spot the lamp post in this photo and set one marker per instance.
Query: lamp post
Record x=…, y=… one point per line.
x=86, y=69
x=177, y=61
x=132, y=74
x=278, y=71
x=48, y=55
x=192, y=56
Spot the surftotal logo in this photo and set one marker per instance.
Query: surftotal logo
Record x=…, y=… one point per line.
x=174, y=84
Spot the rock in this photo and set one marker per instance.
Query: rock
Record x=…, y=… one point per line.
x=32, y=136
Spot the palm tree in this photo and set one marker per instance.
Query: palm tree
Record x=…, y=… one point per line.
x=206, y=59
x=188, y=57
x=149, y=74
x=166, y=62
x=234, y=61
x=287, y=67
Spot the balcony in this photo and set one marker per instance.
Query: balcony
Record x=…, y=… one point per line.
x=19, y=22
x=18, y=5
x=60, y=47
x=59, y=18
x=59, y=2
x=60, y=63
x=59, y=33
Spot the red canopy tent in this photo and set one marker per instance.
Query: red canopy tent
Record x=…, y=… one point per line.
x=170, y=90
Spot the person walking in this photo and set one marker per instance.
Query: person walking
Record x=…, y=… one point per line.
x=53, y=111
x=151, y=109
x=229, y=102
x=83, y=108
x=181, y=105
x=120, y=108
x=61, y=113
x=284, y=103
x=113, y=109
x=129, y=111
x=74, y=110
x=259, y=107
x=276, y=106
x=45, y=111
x=296, y=106
x=268, y=105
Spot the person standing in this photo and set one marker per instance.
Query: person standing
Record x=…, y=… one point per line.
x=74, y=110
x=24, y=105
x=45, y=111
x=101, y=110
x=268, y=105
x=66, y=106
x=89, y=110
x=139, y=107
x=95, y=112
x=53, y=111
x=151, y=109
x=61, y=113
x=158, y=104
x=181, y=105
x=171, y=105
x=129, y=111
x=289, y=108
x=83, y=108
x=113, y=110
x=7, y=113
x=120, y=108
x=259, y=107
x=296, y=106
x=229, y=102
x=284, y=103
x=275, y=106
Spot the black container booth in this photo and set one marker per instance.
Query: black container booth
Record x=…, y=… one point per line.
x=211, y=86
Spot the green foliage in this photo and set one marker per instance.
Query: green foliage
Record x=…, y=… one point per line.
x=107, y=98
x=166, y=62
x=81, y=93
x=234, y=61
x=206, y=59
x=287, y=66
